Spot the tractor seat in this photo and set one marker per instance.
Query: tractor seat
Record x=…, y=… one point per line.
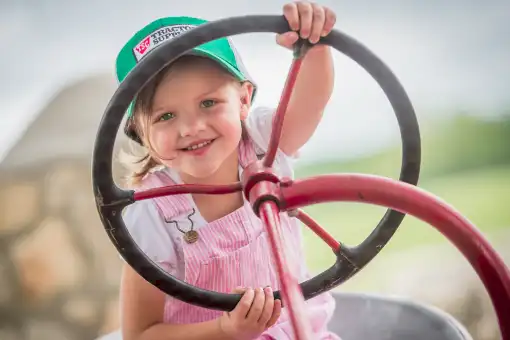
x=371, y=317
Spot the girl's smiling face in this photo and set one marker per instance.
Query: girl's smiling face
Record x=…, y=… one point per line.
x=194, y=121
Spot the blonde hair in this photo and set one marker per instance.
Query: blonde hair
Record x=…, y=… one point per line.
x=138, y=160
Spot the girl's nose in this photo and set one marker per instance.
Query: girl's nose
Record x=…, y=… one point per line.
x=192, y=126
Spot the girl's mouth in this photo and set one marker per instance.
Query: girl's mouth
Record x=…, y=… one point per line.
x=198, y=147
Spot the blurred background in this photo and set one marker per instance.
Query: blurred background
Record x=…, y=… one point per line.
x=59, y=273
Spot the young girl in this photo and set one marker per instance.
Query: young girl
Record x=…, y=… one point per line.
x=195, y=121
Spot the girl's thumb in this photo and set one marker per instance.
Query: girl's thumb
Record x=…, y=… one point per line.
x=239, y=290
x=287, y=39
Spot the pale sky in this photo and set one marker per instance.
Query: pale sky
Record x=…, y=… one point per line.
x=453, y=54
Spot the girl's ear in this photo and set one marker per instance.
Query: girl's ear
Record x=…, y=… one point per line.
x=245, y=98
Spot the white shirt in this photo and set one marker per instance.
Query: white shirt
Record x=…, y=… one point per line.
x=159, y=239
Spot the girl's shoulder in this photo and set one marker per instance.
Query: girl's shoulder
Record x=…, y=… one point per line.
x=259, y=124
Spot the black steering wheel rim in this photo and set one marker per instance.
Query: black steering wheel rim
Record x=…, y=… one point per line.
x=111, y=200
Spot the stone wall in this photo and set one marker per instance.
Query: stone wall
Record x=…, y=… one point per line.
x=59, y=273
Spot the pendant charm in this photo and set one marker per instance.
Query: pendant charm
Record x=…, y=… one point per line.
x=191, y=236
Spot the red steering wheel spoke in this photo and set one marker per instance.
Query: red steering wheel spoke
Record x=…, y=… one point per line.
x=316, y=228
x=179, y=189
x=300, y=51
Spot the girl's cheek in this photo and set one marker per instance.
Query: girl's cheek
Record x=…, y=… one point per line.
x=162, y=142
x=230, y=120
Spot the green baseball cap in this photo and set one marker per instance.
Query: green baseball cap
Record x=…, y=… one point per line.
x=159, y=31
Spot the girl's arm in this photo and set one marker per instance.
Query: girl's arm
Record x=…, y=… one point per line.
x=142, y=307
x=314, y=83
x=309, y=98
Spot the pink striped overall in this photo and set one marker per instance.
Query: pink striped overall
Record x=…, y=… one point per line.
x=234, y=251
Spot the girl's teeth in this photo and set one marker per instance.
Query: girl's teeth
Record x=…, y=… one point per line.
x=198, y=146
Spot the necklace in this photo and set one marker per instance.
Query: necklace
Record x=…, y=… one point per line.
x=190, y=236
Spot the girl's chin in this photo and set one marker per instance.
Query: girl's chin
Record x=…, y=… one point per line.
x=202, y=177
x=200, y=171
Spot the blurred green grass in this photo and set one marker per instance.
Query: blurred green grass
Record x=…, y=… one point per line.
x=459, y=165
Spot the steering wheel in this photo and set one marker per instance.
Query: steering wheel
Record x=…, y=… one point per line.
x=270, y=195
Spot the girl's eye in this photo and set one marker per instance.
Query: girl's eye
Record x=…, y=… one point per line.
x=207, y=103
x=166, y=116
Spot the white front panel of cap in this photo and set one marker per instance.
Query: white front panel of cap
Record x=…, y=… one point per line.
x=157, y=37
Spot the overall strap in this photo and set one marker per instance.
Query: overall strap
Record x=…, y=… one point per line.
x=168, y=206
x=247, y=153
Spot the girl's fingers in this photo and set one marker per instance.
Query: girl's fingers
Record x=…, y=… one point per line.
x=244, y=304
x=268, y=307
x=290, y=11
x=305, y=10
x=257, y=306
x=277, y=310
x=319, y=18
x=329, y=22
x=310, y=20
